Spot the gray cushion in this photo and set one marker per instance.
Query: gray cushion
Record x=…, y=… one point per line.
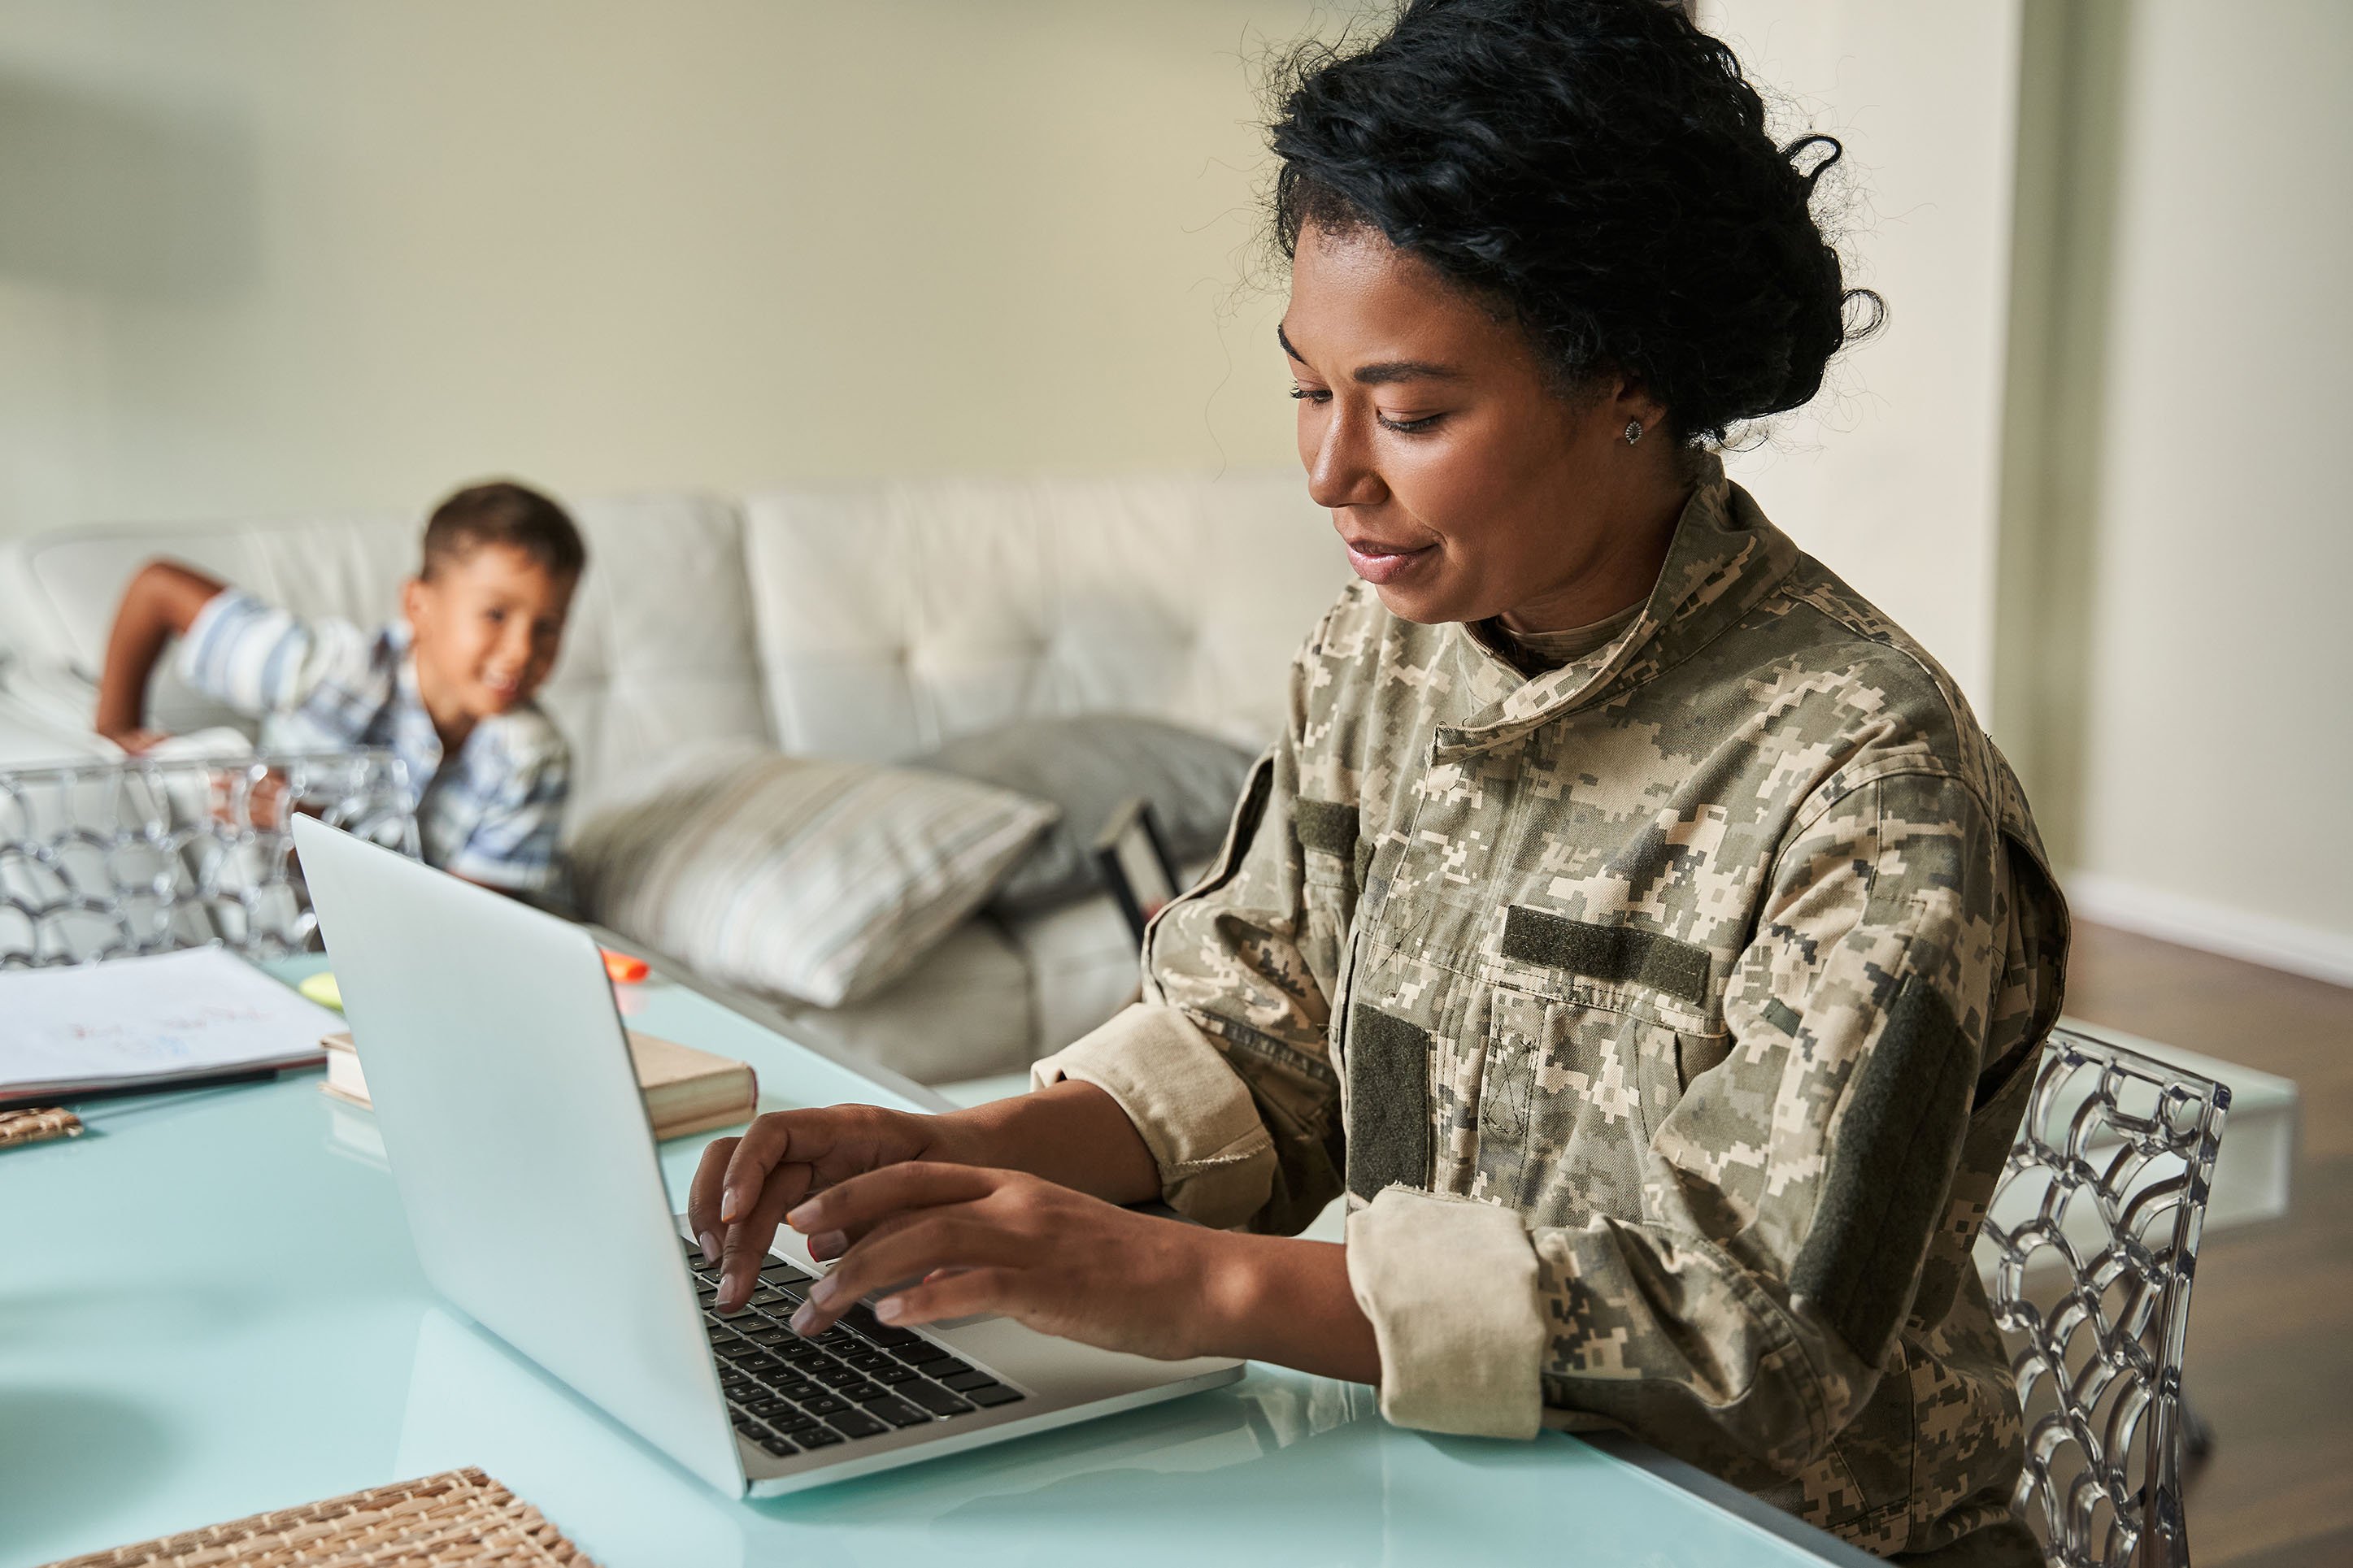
x=1088, y=766
x=963, y=1010
x=820, y=878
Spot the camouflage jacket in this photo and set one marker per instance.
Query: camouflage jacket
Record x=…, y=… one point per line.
x=1665, y=1018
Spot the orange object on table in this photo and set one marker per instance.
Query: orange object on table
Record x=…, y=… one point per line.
x=624, y=969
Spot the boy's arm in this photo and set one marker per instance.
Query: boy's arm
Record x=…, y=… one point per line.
x=161, y=603
x=512, y=847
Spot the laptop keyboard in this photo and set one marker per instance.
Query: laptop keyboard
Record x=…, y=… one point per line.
x=860, y=1378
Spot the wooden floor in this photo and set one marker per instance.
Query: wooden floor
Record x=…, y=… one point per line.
x=2270, y=1361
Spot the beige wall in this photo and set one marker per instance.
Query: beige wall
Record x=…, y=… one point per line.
x=262, y=256
x=272, y=255
x=1892, y=475
x=2094, y=473
x=2215, y=773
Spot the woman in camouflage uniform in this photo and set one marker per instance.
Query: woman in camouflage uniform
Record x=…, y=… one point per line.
x=1632, y=923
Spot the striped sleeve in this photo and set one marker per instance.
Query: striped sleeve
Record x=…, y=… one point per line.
x=512, y=844
x=260, y=659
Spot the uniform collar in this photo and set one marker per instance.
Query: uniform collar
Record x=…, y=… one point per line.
x=1725, y=557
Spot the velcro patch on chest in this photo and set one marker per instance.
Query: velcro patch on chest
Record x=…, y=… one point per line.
x=1614, y=954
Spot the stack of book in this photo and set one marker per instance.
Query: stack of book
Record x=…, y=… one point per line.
x=686, y=1090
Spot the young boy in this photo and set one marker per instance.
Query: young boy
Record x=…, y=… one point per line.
x=448, y=687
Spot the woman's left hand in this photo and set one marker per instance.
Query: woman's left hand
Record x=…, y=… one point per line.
x=979, y=1240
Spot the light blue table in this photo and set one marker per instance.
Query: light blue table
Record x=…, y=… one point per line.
x=209, y=1307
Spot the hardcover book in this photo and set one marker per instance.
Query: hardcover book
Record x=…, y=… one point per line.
x=686, y=1090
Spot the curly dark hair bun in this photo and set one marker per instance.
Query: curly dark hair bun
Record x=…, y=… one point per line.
x=1598, y=171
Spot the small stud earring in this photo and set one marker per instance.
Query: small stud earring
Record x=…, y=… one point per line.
x=1633, y=431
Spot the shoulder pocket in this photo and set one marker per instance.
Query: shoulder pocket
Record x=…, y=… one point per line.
x=1331, y=864
x=1328, y=825
x=1328, y=828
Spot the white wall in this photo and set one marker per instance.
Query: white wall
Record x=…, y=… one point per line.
x=1892, y=476
x=2217, y=788
x=2164, y=567
x=267, y=255
x=262, y=256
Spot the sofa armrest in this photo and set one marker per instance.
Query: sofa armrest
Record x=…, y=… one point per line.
x=51, y=693
x=27, y=740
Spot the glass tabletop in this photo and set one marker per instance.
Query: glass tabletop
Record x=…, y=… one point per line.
x=209, y=1307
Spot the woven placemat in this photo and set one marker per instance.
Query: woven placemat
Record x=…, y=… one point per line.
x=32, y=1126
x=457, y=1516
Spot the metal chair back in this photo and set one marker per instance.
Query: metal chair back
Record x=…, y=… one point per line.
x=2094, y=1226
x=112, y=860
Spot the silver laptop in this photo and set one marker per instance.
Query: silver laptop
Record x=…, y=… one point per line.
x=511, y=1119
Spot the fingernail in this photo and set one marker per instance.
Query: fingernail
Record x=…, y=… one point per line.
x=709, y=1249
x=728, y=1204
x=802, y=1217
x=821, y=1292
x=888, y=1309
x=829, y=1246
x=804, y=1319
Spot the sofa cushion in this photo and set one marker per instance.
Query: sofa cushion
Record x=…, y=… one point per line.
x=894, y=617
x=1083, y=966
x=1084, y=963
x=963, y=1011
x=821, y=880
x=1088, y=766
x=661, y=652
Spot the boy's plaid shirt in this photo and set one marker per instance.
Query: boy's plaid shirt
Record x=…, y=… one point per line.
x=489, y=815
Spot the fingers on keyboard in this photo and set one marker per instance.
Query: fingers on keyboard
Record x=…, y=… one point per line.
x=858, y=1379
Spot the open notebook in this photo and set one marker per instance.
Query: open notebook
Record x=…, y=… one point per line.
x=149, y=1023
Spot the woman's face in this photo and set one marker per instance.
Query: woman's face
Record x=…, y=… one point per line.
x=1462, y=485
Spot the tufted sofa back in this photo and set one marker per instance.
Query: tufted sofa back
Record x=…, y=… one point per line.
x=871, y=621
x=894, y=617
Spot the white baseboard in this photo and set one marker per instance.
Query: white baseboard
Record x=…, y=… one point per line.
x=2210, y=927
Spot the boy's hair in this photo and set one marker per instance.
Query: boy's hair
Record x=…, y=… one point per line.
x=503, y=512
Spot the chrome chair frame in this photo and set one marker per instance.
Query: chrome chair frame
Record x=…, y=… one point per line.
x=2117, y=1152
x=102, y=860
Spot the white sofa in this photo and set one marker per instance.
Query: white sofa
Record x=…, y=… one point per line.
x=869, y=621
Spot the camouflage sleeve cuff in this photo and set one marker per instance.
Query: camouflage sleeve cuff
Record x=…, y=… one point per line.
x=1216, y=1159
x=1451, y=1286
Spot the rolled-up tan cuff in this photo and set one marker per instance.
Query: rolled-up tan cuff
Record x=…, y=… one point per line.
x=1216, y=1159
x=1451, y=1286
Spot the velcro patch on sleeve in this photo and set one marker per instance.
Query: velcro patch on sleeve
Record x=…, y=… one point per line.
x=1387, y=1063
x=1890, y=1172
x=1616, y=954
x=1327, y=826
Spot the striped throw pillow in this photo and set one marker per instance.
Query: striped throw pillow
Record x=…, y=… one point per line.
x=822, y=880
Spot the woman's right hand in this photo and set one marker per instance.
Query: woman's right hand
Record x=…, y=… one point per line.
x=745, y=1184
x=1071, y=1133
